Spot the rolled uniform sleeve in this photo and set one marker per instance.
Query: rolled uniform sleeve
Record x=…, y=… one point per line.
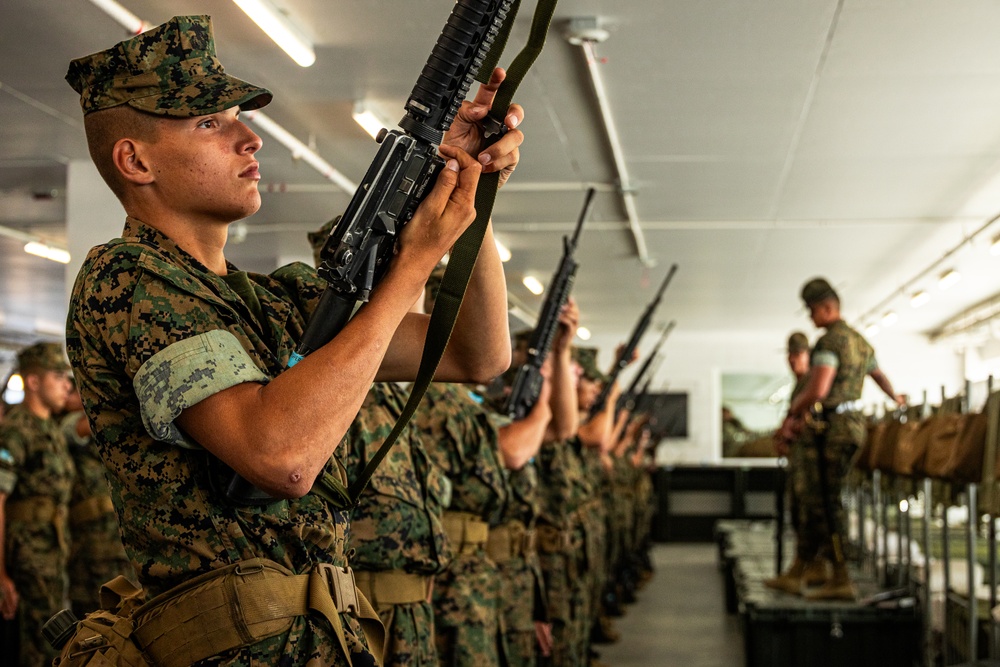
x=186, y=373
x=872, y=365
x=8, y=469
x=171, y=336
x=826, y=358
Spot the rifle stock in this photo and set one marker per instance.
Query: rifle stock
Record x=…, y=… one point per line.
x=528, y=381
x=633, y=342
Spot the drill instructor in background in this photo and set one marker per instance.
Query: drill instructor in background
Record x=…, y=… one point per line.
x=840, y=360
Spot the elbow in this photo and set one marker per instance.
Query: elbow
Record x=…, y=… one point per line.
x=488, y=365
x=515, y=461
x=285, y=482
x=283, y=471
x=565, y=431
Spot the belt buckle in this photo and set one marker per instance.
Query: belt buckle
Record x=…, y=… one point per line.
x=343, y=589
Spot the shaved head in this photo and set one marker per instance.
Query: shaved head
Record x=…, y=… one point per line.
x=105, y=128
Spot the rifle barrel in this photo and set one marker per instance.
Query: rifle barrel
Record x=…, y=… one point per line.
x=588, y=202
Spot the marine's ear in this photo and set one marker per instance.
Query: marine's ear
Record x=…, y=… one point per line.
x=130, y=159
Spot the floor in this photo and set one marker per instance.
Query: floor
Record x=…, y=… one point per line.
x=680, y=619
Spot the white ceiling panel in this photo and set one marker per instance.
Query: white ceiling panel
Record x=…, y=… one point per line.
x=768, y=142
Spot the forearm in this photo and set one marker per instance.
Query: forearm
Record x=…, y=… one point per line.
x=521, y=440
x=816, y=389
x=479, y=349
x=883, y=382
x=565, y=410
x=622, y=434
x=280, y=435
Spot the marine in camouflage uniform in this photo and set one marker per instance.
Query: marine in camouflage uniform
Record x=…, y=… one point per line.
x=645, y=504
x=397, y=536
x=570, y=532
x=463, y=443
x=36, y=478
x=153, y=331
x=808, y=568
x=96, y=552
x=511, y=545
x=597, y=515
x=163, y=331
x=561, y=540
x=843, y=356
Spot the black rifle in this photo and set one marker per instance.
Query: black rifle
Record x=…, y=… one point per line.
x=528, y=382
x=633, y=342
x=361, y=245
x=357, y=253
x=629, y=399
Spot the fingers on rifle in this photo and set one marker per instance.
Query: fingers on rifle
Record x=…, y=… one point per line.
x=487, y=91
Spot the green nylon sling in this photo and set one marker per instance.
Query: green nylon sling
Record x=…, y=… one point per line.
x=463, y=255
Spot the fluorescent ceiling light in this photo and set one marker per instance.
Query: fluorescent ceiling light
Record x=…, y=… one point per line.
x=948, y=278
x=502, y=251
x=533, y=285
x=47, y=251
x=130, y=21
x=919, y=298
x=583, y=333
x=277, y=26
x=15, y=382
x=367, y=119
x=871, y=330
x=889, y=319
x=299, y=150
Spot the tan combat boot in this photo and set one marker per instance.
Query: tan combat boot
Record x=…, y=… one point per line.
x=837, y=587
x=789, y=581
x=814, y=573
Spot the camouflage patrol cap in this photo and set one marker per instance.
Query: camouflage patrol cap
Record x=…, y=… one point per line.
x=170, y=70
x=42, y=357
x=587, y=358
x=798, y=342
x=816, y=290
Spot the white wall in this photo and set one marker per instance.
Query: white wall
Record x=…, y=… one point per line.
x=695, y=361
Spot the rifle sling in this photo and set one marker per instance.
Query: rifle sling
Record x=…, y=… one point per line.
x=464, y=253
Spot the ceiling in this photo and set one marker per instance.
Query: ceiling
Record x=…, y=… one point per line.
x=766, y=143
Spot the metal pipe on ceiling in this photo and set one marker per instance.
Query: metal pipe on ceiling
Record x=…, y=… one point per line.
x=584, y=32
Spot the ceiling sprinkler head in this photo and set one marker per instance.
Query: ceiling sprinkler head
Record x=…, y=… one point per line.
x=585, y=29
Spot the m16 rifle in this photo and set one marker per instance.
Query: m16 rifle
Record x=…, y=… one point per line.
x=528, y=381
x=361, y=245
x=630, y=398
x=626, y=353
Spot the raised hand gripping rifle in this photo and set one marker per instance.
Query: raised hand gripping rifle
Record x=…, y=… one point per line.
x=528, y=382
x=633, y=342
x=356, y=255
